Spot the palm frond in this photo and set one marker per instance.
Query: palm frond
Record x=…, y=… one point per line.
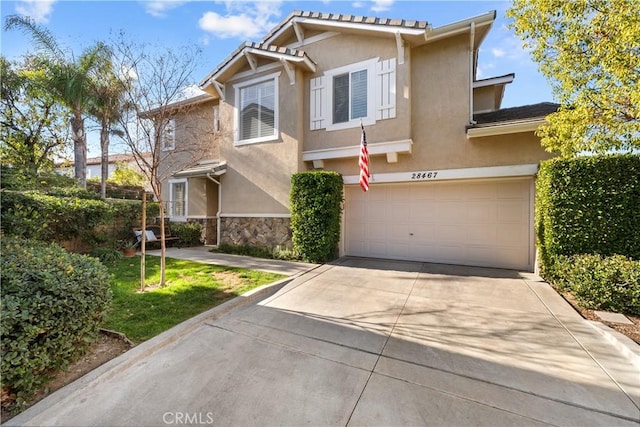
x=42, y=37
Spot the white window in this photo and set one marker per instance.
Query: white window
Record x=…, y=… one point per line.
x=178, y=199
x=216, y=118
x=168, y=138
x=363, y=91
x=257, y=110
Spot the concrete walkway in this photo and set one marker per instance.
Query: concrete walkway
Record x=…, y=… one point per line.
x=369, y=342
x=202, y=254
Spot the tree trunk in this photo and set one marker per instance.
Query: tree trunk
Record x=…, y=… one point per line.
x=143, y=242
x=163, y=248
x=104, y=161
x=79, y=148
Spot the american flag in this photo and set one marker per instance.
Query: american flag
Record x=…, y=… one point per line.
x=364, y=162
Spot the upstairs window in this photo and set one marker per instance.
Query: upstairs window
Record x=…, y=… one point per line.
x=168, y=138
x=350, y=96
x=257, y=110
x=342, y=97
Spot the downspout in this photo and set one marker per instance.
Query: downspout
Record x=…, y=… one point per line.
x=218, y=219
x=472, y=36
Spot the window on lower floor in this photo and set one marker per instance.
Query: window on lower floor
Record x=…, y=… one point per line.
x=178, y=199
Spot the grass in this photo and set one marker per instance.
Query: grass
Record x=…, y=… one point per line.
x=191, y=288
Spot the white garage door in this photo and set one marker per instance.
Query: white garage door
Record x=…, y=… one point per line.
x=484, y=223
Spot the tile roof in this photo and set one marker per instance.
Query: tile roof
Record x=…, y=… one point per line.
x=353, y=19
x=525, y=112
x=260, y=46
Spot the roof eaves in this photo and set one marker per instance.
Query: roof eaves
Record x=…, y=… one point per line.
x=336, y=20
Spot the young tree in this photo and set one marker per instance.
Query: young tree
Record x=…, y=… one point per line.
x=590, y=52
x=155, y=81
x=33, y=126
x=69, y=79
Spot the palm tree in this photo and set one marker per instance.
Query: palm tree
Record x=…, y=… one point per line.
x=108, y=93
x=70, y=80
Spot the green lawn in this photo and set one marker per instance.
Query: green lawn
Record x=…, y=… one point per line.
x=191, y=288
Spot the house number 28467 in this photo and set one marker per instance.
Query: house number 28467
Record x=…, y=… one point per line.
x=424, y=175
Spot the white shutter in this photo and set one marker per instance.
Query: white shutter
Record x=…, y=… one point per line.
x=318, y=108
x=386, y=96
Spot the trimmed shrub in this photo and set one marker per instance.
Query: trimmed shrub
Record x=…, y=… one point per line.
x=602, y=283
x=49, y=218
x=588, y=205
x=57, y=219
x=588, y=229
x=316, y=207
x=190, y=234
x=53, y=303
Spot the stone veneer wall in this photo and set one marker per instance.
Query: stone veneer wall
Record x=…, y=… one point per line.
x=256, y=231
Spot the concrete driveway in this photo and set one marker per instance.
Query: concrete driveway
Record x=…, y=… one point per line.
x=369, y=342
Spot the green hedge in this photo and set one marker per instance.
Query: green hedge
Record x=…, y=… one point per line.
x=190, y=234
x=316, y=207
x=603, y=283
x=53, y=303
x=588, y=229
x=588, y=205
x=49, y=218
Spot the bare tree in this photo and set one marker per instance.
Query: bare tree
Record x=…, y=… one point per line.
x=155, y=82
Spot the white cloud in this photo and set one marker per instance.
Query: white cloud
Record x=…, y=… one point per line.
x=498, y=52
x=381, y=5
x=38, y=10
x=242, y=19
x=160, y=7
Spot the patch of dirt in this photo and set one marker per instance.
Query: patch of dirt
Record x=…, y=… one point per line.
x=109, y=345
x=230, y=279
x=631, y=331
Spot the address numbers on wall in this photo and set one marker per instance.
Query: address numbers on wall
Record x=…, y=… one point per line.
x=423, y=175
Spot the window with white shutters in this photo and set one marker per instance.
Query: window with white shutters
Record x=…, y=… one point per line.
x=363, y=91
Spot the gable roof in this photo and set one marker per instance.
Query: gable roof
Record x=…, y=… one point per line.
x=274, y=45
x=337, y=20
x=245, y=50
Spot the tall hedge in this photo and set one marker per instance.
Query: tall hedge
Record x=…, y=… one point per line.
x=53, y=303
x=588, y=205
x=588, y=229
x=316, y=208
x=57, y=218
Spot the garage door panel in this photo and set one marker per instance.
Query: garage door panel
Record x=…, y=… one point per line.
x=484, y=223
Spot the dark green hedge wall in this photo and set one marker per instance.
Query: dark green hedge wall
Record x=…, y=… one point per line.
x=588, y=205
x=316, y=208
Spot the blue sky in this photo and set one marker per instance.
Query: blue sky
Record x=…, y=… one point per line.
x=218, y=27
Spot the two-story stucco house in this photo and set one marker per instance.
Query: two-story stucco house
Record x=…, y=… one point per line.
x=452, y=172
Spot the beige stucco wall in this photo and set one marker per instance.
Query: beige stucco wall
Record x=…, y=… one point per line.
x=194, y=141
x=439, y=108
x=344, y=50
x=258, y=175
x=484, y=99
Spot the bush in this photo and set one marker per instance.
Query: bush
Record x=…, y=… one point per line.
x=588, y=205
x=602, y=283
x=107, y=255
x=316, y=207
x=49, y=218
x=190, y=234
x=53, y=303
